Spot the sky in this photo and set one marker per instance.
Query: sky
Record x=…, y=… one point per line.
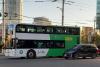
x=82, y=12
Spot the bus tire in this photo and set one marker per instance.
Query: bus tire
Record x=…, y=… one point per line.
x=31, y=54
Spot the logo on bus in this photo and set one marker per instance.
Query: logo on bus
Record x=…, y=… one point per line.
x=40, y=51
x=21, y=51
x=68, y=38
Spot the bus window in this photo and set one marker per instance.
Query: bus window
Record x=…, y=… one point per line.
x=20, y=44
x=66, y=30
x=40, y=44
x=47, y=44
x=40, y=29
x=31, y=29
x=20, y=29
x=49, y=30
x=35, y=44
x=74, y=31
x=51, y=44
x=59, y=44
x=59, y=30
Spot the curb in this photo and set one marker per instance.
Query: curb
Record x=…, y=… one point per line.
x=1, y=54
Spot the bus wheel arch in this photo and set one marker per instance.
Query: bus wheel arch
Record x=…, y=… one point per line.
x=31, y=54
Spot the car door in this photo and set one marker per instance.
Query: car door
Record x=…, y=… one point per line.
x=92, y=49
x=83, y=51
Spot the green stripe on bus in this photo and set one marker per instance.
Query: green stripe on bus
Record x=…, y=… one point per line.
x=55, y=52
x=70, y=42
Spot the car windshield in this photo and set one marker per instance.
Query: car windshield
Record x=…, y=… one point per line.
x=75, y=48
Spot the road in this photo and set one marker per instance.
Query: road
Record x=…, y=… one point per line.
x=48, y=62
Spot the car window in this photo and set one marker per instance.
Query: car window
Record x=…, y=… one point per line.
x=82, y=48
x=76, y=47
x=92, y=48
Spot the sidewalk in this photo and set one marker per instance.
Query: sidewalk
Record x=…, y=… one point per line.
x=1, y=54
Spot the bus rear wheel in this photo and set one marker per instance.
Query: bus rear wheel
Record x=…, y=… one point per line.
x=31, y=54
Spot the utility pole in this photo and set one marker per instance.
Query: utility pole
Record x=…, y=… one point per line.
x=63, y=1
x=62, y=8
x=3, y=26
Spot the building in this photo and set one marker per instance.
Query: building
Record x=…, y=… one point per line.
x=42, y=21
x=13, y=10
x=98, y=17
x=12, y=13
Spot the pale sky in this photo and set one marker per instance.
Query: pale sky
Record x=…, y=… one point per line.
x=82, y=12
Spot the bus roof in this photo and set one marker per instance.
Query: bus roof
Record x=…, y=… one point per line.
x=45, y=25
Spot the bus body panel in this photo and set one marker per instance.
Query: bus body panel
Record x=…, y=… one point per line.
x=10, y=52
x=55, y=52
x=23, y=52
x=33, y=36
x=70, y=42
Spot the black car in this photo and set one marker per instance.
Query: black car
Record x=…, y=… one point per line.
x=81, y=51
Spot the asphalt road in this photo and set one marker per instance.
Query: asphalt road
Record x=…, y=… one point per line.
x=48, y=62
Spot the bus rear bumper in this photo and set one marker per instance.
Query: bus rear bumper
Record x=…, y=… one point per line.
x=14, y=53
x=10, y=52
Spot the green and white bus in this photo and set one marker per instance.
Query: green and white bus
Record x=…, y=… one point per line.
x=31, y=41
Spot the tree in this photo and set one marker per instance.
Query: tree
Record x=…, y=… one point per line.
x=97, y=40
x=84, y=38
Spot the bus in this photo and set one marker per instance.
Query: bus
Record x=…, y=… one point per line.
x=32, y=41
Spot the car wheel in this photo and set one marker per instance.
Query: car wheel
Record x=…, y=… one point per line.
x=65, y=56
x=93, y=56
x=31, y=54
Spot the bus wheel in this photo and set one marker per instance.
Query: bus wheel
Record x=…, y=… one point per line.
x=31, y=54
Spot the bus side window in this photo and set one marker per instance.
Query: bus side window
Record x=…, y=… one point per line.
x=41, y=29
x=51, y=44
x=59, y=44
x=20, y=44
x=31, y=30
x=35, y=44
x=47, y=44
x=66, y=30
x=20, y=29
x=49, y=30
x=39, y=44
x=38, y=29
x=59, y=30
